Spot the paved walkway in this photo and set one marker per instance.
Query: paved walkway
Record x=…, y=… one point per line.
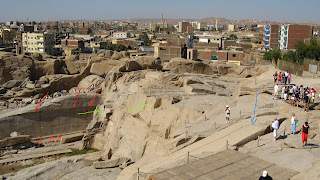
x=228, y=165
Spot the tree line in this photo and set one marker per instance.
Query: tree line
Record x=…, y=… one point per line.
x=303, y=51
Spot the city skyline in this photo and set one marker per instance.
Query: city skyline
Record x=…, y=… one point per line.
x=272, y=10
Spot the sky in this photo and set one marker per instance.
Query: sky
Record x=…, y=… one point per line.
x=48, y=10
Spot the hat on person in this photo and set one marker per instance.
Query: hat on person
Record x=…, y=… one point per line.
x=227, y=106
x=265, y=173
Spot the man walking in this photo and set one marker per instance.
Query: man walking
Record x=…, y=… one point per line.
x=275, y=126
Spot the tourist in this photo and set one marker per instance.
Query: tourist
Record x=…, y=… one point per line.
x=275, y=126
x=286, y=77
x=227, y=114
x=7, y=104
x=294, y=121
x=285, y=96
x=282, y=77
x=279, y=78
x=289, y=78
x=275, y=77
x=305, y=130
x=276, y=89
x=61, y=92
x=16, y=101
x=265, y=176
x=282, y=92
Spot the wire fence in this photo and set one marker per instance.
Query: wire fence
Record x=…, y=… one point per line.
x=187, y=159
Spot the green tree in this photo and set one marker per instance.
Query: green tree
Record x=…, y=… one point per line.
x=144, y=37
x=233, y=37
x=268, y=55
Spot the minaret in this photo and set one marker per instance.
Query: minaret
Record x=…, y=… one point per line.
x=216, y=24
x=162, y=22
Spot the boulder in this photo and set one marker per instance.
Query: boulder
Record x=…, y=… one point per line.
x=88, y=161
x=30, y=85
x=108, y=53
x=72, y=65
x=11, y=141
x=130, y=66
x=116, y=56
x=149, y=63
x=71, y=138
x=14, y=134
x=37, y=56
x=21, y=73
x=110, y=163
x=125, y=54
x=103, y=67
x=12, y=83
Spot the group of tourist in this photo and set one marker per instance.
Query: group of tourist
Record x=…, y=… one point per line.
x=304, y=130
x=294, y=94
x=282, y=78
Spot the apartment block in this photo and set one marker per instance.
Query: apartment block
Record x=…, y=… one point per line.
x=285, y=36
x=38, y=42
x=185, y=27
x=121, y=35
x=7, y=35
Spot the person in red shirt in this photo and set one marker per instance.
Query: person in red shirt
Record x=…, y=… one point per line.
x=279, y=78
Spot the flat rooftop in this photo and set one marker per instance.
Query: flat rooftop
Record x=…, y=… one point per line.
x=227, y=165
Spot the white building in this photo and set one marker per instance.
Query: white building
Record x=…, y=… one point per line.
x=199, y=25
x=121, y=35
x=230, y=27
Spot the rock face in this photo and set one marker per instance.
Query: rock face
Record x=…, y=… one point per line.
x=103, y=67
x=11, y=141
x=109, y=163
x=179, y=65
x=116, y=56
x=72, y=65
x=12, y=83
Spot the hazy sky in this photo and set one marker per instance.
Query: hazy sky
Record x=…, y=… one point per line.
x=274, y=10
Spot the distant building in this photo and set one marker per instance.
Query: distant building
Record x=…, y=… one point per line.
x=185, y=27
x=230, y=27
x=167, y=51
x=72, y=46
x=7, y=35
x=38, y=42
x=285, y=36
x=197, y=26
x=121, y=35
x=83, y=28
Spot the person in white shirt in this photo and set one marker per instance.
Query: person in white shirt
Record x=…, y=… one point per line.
x=276, y=89
x=294, y=121
x=282, y=92
x=275, y=126
x=227, y=114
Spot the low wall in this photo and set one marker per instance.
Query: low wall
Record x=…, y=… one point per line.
x=54, y=117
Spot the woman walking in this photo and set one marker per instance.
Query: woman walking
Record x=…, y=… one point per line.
x=305, y=131
x=294, y=121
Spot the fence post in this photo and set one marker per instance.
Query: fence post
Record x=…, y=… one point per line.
x=284, y=132
x=188, y=157
x=258, y=141
x=186, y=136
x=227, y=145
x=138, y=173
